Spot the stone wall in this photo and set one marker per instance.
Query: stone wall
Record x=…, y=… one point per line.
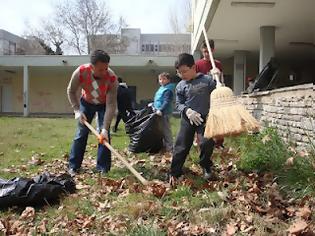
x=291, y=110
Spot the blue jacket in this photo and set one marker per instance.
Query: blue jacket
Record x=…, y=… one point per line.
x=163, y=98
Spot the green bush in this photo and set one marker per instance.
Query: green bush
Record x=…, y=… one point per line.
x=262, y=152
x=299, y=177
x=267, y=152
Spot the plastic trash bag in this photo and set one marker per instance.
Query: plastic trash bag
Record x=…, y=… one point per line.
x=145, y=130
x=41, y=190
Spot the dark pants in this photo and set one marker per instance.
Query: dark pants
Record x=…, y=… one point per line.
x=183, y=144
x=81, y=136
x=125, y=116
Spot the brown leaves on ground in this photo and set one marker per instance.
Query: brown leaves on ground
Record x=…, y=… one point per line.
x=28, y=214
x=245, y=204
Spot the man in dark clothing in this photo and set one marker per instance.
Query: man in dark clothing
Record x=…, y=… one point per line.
x=124, y=104
x=192, y=101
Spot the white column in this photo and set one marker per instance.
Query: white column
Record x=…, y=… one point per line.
x=26, y=110
x=197, y=55
x=239, y=72
x=267, y=45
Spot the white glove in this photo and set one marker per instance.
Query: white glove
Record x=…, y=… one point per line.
x=194, y=117
x=103, y=136
x=78, y=115
x=159, y=112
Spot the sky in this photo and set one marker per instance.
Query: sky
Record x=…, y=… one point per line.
x=152, y=16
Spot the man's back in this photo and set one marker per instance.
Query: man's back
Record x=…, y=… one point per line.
x=123, y=98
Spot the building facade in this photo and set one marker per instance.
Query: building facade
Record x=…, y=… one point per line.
x=133, y=42
x=36, y=85
x=248, y=34
x=10, y=44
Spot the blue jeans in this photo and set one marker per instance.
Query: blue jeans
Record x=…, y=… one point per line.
x=80, y=140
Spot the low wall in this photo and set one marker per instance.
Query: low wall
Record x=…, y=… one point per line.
x=291, y=110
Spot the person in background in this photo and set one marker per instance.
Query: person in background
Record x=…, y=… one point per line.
x=98, y=86
x=124, y=104
x=163, y=103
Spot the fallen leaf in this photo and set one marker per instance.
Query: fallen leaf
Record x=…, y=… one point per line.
x=297, y=227
x=2, y=228
x=158, y=190
x=42, y=228
x=265, y=139
x=289, y=161
x=222, y=195
x=28, y=214
x=230, y=229
x=304, y=212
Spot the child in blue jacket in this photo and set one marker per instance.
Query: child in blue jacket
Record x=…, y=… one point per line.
x=163, y=100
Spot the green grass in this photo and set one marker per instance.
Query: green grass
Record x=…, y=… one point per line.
x=50, y=140
x=266, y=152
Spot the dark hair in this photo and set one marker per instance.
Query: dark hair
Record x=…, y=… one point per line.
x=184, y=59
x=99, y=55
x=166, y=75
x=120, y=80
x=204, y=45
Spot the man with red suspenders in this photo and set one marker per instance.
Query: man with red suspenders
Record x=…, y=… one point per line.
x=98, y=86
x=204, y=66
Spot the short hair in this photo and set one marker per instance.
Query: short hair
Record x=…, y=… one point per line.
x=166, y=75
x=120, y=80
x=204, y=45
x=184, y=59
x=99, y=56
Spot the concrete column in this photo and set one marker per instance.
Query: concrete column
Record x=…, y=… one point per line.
x=267, y=45
x=26, y=110
x=197, y=55
x=239, y=72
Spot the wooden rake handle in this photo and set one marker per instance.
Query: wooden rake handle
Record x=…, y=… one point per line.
x=216, y=76
x=121, y=158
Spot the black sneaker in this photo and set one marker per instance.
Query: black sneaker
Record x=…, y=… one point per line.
x=100, y=171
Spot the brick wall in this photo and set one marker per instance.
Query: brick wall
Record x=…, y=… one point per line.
x=291, y=110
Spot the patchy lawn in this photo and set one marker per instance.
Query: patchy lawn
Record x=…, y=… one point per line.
x=251, y=197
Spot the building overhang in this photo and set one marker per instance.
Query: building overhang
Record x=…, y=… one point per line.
x=234, y=25
x=72, y=61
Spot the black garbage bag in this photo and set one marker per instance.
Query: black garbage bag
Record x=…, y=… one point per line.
x=41, y=190
x=266, y=77
x=145, y=130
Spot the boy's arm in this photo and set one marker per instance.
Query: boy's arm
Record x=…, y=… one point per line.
x=180, y=99
x=168, y=97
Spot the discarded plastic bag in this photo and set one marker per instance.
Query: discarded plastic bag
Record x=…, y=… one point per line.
x=41, y=190
x=145, y=130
